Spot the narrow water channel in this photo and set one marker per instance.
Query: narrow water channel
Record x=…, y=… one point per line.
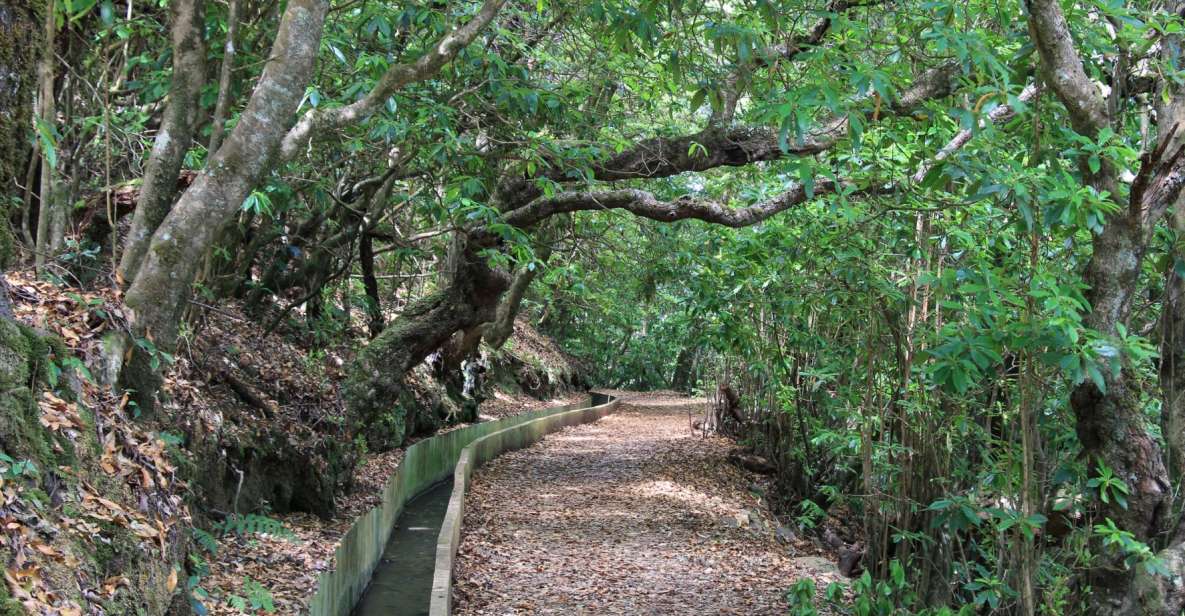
x=402, y=582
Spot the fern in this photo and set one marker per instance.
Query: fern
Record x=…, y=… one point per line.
x=259, y=597
x=252, y=524
x=206, y=540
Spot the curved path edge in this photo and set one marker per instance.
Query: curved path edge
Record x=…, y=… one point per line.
x=424, y=464
x=480, y=451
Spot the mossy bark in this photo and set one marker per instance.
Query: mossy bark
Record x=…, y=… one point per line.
x=19, y=42
x=374, y=385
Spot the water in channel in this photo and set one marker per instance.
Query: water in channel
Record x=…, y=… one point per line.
x=402, y=582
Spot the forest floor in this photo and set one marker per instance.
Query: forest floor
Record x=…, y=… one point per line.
x=634, y=514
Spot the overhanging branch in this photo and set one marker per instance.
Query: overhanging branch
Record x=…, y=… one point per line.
x=396, y=77
x=645, y=204
x=734, y=146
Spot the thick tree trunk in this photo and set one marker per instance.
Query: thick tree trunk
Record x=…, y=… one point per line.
x=175, y=134
x=1111, y=425
x=163, y=280
x=19, y=42
x=468, y=297
x=161, y=287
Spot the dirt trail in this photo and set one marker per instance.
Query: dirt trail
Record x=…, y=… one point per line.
x=634, y=514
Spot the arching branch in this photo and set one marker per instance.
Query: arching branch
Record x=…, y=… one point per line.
x=396, y=77
x=735, y=146
x=645, y=204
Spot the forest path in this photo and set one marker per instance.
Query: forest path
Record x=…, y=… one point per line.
x=634, y=514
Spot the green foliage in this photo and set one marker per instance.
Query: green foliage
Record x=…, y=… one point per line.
x=889, y=339
x=17, y=469
x=252, y=524
x=205, y=540
x=1134, y=552
x=893, y=596
x=255, y=597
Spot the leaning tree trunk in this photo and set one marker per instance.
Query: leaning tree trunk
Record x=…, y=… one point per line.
x=161, y=287
x=176, y=132
x=499, y=331
x=468, y=297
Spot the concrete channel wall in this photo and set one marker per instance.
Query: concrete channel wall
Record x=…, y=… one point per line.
x=478, y=452
x=424, y=464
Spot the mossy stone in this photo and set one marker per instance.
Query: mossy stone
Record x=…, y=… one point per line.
x=15, y=351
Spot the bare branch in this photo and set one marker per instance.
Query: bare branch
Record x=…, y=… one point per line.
x=646, y=205
x=1003, y=113
x=396, y=77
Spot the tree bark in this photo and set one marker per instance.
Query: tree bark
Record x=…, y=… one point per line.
x=319, y=121
x=47, y=240
x=161, y=287
x=502, y=328
x=1110, y=421
x=734, y=146
x=468, y=297
x=226, y=72
x=19, y=42
x=175, y=134
x=163, y=281
x=374, y=307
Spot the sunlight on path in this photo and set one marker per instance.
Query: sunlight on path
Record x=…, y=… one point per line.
x=631, y=515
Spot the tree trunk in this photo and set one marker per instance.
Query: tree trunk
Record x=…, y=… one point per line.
x=19, y=42
x=162, y=283
x=497, y=333
x=374, y=307
x=161, y=287
x=175, y=134
x=47, y=240
x=1111, y=424
x=1110, y=421
x=468, y=297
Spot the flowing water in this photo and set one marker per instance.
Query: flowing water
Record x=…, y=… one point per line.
x=402, y=582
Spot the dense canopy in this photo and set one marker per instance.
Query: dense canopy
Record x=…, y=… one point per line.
x=925, y=252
